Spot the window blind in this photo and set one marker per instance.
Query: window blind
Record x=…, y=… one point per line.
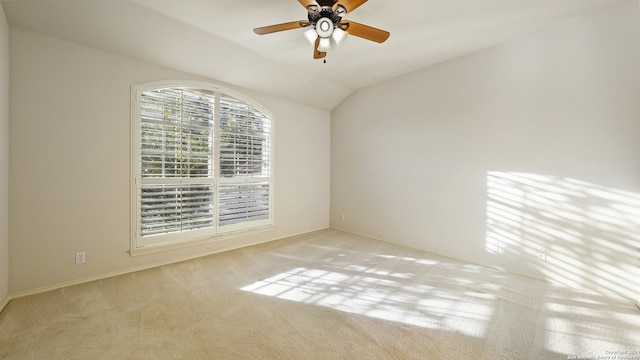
x=243, y=202
x=203, y=165
x=176, y=139
x=174, y=208
x=244, y=192
x=176, y=134
x=244, y=140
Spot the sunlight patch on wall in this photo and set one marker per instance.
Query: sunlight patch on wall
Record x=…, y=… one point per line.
x=381, y=298
x=574, y=232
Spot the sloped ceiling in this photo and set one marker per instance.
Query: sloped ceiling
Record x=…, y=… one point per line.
x=214, y=38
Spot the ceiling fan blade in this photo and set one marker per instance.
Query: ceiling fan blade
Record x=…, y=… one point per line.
x=364, y=31
x=318, y=54
x=281, y=27
x=328, y=3
x=351, y=5
x=307, y=3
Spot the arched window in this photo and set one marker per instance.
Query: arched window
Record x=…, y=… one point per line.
x=201, y=162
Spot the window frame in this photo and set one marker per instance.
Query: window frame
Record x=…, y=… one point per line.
x=152, y=243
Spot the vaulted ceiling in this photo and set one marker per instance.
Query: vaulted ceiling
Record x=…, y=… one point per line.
x=214, y=38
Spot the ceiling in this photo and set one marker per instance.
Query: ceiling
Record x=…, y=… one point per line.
x=214, y=38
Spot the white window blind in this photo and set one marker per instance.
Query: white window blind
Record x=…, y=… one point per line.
x=202, y=164
x=244, y=163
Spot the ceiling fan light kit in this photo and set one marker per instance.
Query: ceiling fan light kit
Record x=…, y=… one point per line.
x=325, y=20
x=324, y=27
x=311, y=35
x=339, y=35
x=324, y=45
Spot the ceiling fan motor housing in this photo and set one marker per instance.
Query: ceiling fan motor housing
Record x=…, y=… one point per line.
x=329, y=13
x=324, y=20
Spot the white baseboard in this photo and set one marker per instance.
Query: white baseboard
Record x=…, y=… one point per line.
x=230, y=247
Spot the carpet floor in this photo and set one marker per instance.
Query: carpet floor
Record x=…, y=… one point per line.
x=323, y=295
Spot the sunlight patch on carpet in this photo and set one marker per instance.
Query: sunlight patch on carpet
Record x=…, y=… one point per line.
x=381, y=298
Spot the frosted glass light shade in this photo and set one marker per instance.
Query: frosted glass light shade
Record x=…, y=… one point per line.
x=339, y=35
x=324, y=45
x=311, y=35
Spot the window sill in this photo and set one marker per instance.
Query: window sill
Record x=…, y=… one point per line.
x=152, y=249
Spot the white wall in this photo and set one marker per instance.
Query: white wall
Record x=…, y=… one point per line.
x=70, y=164
x=526, y=148
x=4, y=158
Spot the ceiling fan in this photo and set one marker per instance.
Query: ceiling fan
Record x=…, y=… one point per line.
x=327, y=26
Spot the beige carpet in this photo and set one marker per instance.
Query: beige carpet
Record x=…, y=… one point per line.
x=325, y=295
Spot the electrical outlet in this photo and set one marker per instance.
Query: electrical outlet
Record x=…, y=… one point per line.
x=80, y=257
